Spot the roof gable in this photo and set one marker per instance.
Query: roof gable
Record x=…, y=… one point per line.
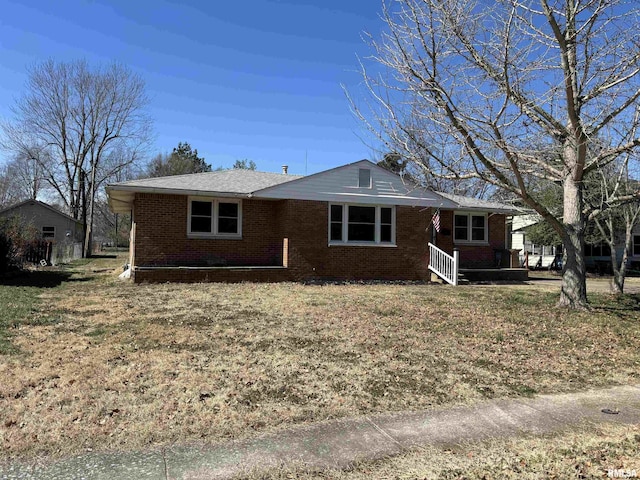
x=340, y=184
x=40, y=204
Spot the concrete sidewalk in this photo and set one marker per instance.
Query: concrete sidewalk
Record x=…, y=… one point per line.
x=338, y=443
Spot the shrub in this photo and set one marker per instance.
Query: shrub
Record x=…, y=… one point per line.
x=15, y=235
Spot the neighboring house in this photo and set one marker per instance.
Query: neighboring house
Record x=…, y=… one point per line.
x=530, y=254
x=52, y=224
x=357, y=221
x=597, y=256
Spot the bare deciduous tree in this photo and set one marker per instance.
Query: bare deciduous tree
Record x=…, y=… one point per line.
x=616, y=225
x=74, y=117
x=506, y=91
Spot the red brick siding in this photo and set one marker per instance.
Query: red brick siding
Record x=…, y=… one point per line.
x=305, y=224
x=300, y=230
x=211, y=275
x=161, y=235
x=475, y=256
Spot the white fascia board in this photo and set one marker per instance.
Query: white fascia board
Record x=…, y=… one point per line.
x=501, y=211
x=120, y=197
x=173, y=191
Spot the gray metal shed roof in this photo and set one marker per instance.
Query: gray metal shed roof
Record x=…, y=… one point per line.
x=41, y=204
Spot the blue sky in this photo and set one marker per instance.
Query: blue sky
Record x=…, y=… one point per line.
x=258, y=79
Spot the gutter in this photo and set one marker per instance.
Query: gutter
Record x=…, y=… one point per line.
x=173, y=191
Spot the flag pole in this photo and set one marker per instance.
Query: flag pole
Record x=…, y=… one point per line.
x=434, y=223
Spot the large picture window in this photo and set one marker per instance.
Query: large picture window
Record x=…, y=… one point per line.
x=470, y=228
x=600, y=249
x=214, y=217
x=361, y=224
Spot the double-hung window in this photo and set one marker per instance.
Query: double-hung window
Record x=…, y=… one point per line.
x=636, y=245
x=361, y=224
x=470, y=228
x=214, y=217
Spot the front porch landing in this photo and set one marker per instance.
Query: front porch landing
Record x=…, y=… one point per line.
x=495, y=274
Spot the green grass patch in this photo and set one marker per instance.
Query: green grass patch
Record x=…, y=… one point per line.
x=21, y=305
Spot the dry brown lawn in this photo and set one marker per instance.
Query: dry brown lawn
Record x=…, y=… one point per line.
x=123, y=366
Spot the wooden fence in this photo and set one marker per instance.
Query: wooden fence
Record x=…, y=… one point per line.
x=37, y=251
x=52, y=254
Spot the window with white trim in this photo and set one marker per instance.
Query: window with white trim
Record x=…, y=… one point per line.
x=335, y=223
x=470, y=228
x=361, y=224
x=48, y=232
x=214, y=217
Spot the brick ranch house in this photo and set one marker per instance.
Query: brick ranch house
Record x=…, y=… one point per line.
x=357, y=221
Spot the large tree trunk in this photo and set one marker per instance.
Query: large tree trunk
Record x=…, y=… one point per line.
x=83, y=204
x=617, y=281
x=88, y=234
x=620, y=273
x=574, y=285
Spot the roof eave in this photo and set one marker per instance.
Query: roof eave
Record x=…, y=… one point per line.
x=172, y=191
x=123, y=203
x=502, y=211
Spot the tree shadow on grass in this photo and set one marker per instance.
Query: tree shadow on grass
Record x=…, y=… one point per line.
x=625, y=307
x=42, y=279
x=103, y=256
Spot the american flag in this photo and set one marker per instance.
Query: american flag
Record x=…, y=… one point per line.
x=435, y=220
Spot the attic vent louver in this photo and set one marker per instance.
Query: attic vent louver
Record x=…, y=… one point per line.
x=364, y=178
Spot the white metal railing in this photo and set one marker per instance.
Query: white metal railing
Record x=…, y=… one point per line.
x=443, y=264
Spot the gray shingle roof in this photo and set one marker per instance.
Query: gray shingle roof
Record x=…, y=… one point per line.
x=476, y=204
x=236, y=181
x=240, y=182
